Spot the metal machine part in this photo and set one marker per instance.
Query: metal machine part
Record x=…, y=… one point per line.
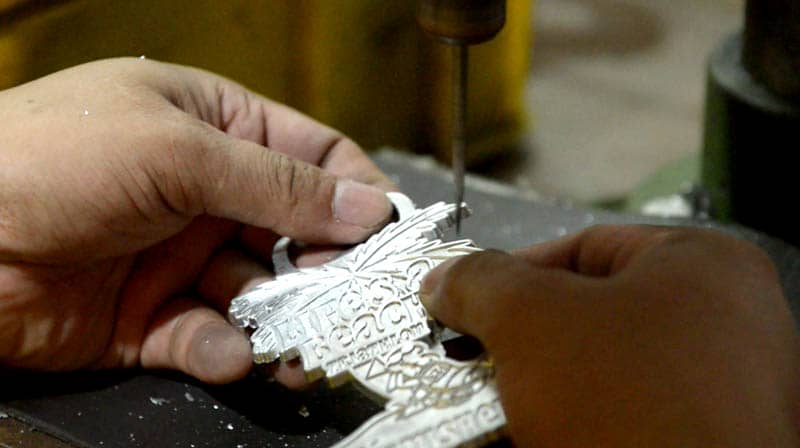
x=359, y=318
x=771, y=47
x=461, y=23
x=752, y=120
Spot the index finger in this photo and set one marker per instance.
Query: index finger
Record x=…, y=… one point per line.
x=598, y=251
x=244, y=114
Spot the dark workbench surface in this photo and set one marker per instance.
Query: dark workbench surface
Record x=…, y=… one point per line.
x=167, y=409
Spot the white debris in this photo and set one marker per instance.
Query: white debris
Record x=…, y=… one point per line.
x=675, y=206
x=229, y=427
x=189, y=397
x=158, y=401
x=3, y=415
x=303, y=411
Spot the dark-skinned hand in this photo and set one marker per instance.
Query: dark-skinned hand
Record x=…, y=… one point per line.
x=632, y=337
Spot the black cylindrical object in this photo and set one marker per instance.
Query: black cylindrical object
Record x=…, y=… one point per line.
x=771, y=49
x=462, y=22
x=752, y=121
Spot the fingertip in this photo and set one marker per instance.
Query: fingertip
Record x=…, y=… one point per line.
x=429, y=288
x=219, y=354
x=291, y=374
x=462, y=291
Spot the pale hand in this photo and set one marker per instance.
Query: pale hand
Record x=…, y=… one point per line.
x=137, y=198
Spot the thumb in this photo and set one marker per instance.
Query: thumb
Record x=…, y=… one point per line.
x=492, y=295
x=254, y=185
x=476, y=294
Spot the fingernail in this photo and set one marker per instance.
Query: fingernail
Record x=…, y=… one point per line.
x=431, y=282
x=360, y=204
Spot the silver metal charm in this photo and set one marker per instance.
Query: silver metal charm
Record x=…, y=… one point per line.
x=359, y=317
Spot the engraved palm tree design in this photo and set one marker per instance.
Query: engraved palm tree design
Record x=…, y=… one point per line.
x=359, y=317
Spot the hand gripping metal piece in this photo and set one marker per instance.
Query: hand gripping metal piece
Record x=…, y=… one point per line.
x=359, y=318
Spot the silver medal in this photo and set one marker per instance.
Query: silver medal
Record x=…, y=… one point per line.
x=359, y=318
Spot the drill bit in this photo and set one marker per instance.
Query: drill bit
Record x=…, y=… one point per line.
x=459, y=140
x=460, y=23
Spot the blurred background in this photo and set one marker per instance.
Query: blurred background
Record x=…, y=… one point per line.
x=616, y=95
x=591, y=101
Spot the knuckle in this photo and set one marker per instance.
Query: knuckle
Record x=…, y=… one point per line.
x=752, y=257
x=673, y=236
x=478, y=263
x=178, y=169
x=294, y=183
x=336, y=144
x=284, y=178
x=716, y=250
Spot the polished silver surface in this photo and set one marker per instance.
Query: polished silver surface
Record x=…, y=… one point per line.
x=358, y=306
x=359, y=318
x=433, y=400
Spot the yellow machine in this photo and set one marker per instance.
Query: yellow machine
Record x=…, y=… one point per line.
x=362, y=66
